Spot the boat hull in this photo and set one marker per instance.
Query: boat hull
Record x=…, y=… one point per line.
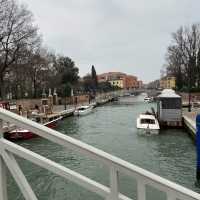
x=148, y=124
x=143, y=131
x=67, y=113
x=83, y=112
x=20, y=134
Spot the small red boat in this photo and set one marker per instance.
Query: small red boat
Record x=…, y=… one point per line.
x=5, y=105
x=23, y=134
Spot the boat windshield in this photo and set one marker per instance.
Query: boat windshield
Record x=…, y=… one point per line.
x=147, y=121
x=82, y=108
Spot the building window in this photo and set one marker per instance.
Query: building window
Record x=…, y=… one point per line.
x=171, y=103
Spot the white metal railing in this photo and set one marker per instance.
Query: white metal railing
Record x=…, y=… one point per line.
x=115, y=165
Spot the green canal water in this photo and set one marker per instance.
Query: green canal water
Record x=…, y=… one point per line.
x=111, y=128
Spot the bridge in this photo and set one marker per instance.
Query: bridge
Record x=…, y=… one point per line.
x=8, y=151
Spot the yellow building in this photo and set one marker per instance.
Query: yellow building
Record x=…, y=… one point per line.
x=117, y=83
x=168, y=82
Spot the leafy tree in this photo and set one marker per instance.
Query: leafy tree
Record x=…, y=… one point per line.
x=67, y=71
x=94, y=78
x=68, y=88
x=88, y=83
x=66, y=67
x=105, y=87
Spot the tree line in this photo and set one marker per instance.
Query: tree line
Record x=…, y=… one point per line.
x=183, y=58
x=26, y=67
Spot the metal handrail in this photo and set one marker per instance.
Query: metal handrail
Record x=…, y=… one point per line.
x=115, y=164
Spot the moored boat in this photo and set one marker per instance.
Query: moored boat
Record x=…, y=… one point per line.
x=24, y=134
x=94, y=104
x=148, y=99
x=83, y=110
x=67, y=112
x=148, y=124
x=127, y=94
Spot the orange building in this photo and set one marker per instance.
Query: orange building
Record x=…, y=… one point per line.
x=129, y=81
x=110, y=76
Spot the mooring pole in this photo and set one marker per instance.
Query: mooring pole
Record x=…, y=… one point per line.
x=198, y=147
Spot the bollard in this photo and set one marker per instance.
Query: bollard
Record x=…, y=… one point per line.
x=198, y=147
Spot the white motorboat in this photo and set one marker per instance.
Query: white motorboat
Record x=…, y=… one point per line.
x=148, y=99
x=147, y=123
x=127, y=94
x=83, y=110
x=67, y=112
x=94, y=104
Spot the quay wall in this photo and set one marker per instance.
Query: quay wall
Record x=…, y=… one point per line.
x=75, y=99
x=28, y=104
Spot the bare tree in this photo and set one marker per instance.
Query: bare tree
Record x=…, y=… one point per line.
x=17, y=33
x=183, y=57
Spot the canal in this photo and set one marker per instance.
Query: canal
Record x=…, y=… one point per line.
x=111, y=128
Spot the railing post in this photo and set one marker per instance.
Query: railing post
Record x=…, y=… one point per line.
x=114, y=184
x=198, y=148
x=3, y=177
x=141, y=190
x=19, y=177
x=3, y=180
x=171, y=196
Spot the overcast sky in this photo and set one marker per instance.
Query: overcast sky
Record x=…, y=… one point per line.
x=113, y=35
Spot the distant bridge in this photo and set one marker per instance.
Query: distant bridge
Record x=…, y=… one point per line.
x=150, y=92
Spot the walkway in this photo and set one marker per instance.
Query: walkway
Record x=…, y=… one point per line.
x=189, y=119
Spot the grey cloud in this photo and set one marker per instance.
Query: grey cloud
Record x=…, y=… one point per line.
x=114, y=35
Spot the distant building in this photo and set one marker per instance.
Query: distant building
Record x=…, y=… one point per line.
x=117, y=83
x=119, y=79
x=168, y=82
x=130, y=82
x=154, y=84
x=140, y=84
x=110, y=76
